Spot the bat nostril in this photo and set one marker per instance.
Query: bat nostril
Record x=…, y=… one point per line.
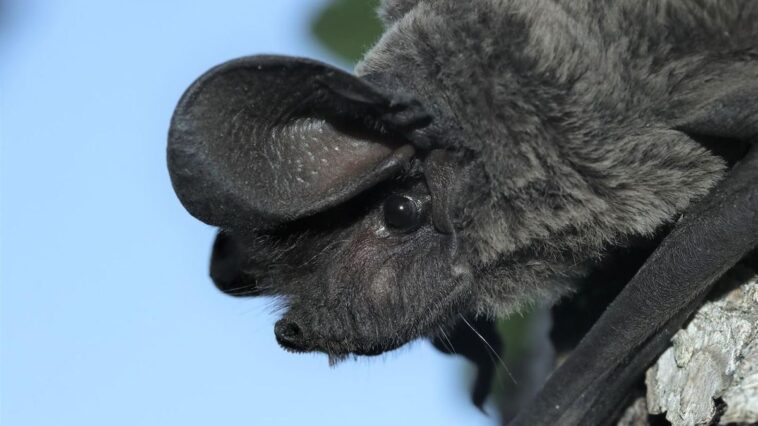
x=288, y=330
x=290, y=335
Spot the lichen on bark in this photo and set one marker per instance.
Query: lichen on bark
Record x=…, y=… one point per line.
x=710, y=373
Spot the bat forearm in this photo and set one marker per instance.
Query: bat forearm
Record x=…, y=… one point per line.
x=638, y=324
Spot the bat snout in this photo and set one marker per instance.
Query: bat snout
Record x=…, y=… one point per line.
x=291, y=336
x=296, y=335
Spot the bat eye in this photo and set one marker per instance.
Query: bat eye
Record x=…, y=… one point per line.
x=401, y=213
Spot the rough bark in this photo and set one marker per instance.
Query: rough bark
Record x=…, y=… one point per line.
x=710, y=373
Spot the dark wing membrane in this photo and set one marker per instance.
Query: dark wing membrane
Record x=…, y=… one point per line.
x=722, y=103
x=592, y=384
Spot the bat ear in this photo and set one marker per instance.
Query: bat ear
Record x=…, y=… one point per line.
x=263, y=140
x=226, y=267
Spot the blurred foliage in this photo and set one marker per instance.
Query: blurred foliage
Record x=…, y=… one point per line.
x=348, y=27
x=515, y=334
x=514, y=330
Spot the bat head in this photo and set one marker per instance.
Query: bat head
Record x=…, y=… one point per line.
x=329, y=195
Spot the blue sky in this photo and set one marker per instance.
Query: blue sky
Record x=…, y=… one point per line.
x=107, y=314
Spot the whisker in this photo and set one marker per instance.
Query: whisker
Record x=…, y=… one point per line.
x=505, y=367
x=448, y=343
x=247, y=287
x=238, y=293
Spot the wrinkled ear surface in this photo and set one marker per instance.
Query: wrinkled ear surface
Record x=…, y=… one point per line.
x=263, y=140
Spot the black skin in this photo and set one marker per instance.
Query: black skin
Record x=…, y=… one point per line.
x=310, y=233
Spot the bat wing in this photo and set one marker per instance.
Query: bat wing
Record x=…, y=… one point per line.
x=721, y=104
x=594, y=382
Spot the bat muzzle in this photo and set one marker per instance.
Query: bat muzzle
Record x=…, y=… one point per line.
x=291, y=336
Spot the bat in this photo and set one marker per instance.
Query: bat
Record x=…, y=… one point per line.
x=485, y=156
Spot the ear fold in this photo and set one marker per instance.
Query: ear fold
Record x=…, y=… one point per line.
x=226, y=267
x=441, y=170
x=266, y=139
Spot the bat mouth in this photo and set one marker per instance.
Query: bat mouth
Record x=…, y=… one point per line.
x=337, y=331
x=374, y=350
x=294, y=339
x=295, y=335
x=291, y=337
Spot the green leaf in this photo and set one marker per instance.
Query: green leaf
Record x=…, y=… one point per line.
x=348, y=27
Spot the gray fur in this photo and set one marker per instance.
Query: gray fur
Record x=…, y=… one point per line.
x=572, y=129
x=558, y=130
x=392, y=10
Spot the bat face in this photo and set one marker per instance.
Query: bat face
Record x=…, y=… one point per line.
x=367, y=205
x=323, y=202
x=458, y=174
x=362, y=278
